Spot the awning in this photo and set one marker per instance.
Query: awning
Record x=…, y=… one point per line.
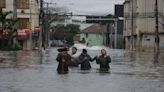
x=37, y=29
x=23, y=32
x=27, y=31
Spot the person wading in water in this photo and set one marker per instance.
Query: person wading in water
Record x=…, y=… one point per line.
x=104, y=61
x=73, y=54
x=84, y=59
x=63, y=58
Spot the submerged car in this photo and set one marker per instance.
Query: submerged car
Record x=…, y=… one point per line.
x=57, y=43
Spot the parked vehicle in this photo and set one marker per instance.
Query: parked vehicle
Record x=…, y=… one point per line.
x=57, y=43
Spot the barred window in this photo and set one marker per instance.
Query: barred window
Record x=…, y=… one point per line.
x=23, y=23
x=22, y=4
x=2, y=3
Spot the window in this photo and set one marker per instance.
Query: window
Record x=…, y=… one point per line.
x=148, y=39
x=2, y=3
x=86, y=35
x=23, y=23
x=22, y=4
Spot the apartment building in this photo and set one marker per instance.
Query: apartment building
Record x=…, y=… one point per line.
x=139, y=24
x=27, y=13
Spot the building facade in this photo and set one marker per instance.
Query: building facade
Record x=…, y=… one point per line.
x=27, y=15
x=94, y=35
x=139, y=24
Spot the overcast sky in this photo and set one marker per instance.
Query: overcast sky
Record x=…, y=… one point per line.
x=100, y=7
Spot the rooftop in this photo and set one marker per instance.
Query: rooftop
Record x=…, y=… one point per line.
x=95, y=28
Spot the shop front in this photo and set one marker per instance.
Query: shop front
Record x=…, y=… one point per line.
x=22, y=37
x=35, y=37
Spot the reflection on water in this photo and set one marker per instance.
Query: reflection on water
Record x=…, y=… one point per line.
x=23, y=71
x=19, y=59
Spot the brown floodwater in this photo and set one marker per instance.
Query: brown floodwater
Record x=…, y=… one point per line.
x=27, y=71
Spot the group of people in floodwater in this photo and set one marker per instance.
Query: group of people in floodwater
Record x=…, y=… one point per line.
x=66, y=60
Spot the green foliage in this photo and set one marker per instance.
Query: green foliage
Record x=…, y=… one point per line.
x=82, y=41
x=17, y=47
x=59, y=26
x=75, y=29
x=72, y=30
x=13, y=47
x=67, y=32
x=7, y=24
x=3, y=19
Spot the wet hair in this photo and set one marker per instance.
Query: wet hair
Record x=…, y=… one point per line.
x=84, y=51
x=62, y=49
x=74, y=48
x=104, y=50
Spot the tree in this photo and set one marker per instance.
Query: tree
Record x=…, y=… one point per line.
x=62, y=32
x=82, y=40
x=71, y=31
x=11, y=31
x=58, y=32
x=7, y=28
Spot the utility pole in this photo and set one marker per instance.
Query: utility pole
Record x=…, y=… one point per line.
x=47, y=28
x=47, y=24
x=41, y=24
x=132, y=25
x=44, y=24
x=15, y=9
x=111, y=35
x=156, y=49
x=30, y=27
x=115, y=37
x=15, y=18
x=108, y=34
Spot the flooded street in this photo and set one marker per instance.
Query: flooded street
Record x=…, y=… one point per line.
x=24, y=71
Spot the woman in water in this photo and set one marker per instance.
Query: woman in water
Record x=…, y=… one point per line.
x=103, y=60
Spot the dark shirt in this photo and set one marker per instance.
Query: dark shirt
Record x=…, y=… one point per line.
x=84, y=61
x=104, y=62
x=63, y=66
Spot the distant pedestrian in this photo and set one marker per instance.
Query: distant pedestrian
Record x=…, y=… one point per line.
x=84, y=59
x=63, y=58
x=74, y=56
x=104, y=61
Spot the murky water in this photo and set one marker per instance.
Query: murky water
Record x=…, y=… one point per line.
x=24, y=71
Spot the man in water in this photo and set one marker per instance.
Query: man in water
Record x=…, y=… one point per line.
x=73, y=54
x=63, y=58
x=84, y=59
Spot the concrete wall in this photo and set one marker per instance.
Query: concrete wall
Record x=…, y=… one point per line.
x=144, y=21
x=145, y=17
x=148, y=42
